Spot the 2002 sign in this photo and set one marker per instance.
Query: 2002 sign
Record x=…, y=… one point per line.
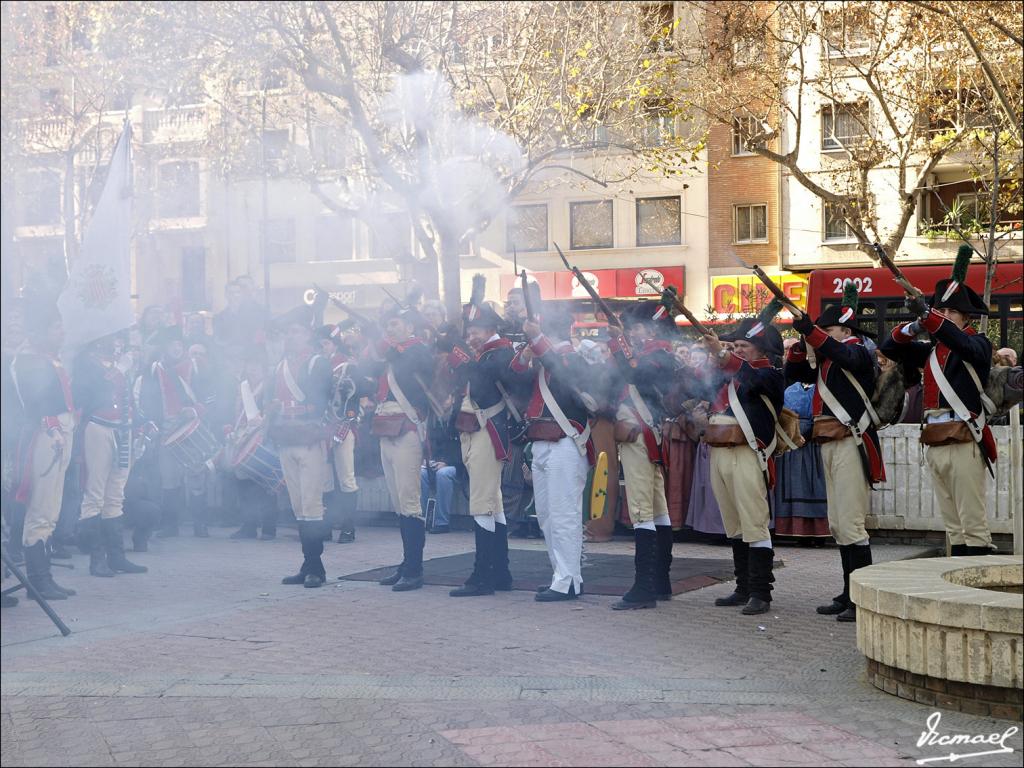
x=863, y=284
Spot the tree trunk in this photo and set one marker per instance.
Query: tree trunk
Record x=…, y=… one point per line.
x=993, y=216
x=70, y=238
x=451, y=282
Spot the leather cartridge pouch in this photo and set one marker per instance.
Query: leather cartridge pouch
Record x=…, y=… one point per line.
x=724, y=435
x=828, y=429
x=542, y=429
x=626, y=431
x=390, y=424
x=466, y=422
x=946, y=433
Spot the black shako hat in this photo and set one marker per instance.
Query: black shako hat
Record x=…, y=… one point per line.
x=845, y=313
x=759, y=331
x=654, y=314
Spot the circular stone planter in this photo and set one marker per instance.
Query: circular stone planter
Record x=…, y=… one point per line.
x=945, y=632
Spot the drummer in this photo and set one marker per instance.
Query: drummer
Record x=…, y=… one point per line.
x=298, y=405
x=168, y=398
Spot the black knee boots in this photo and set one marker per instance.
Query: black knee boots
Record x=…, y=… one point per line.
x=841, y=601
x=858, y=556
x=642, y=593
x=37, y=569
x=663, y=566
x=502, y=574
x=414, y=534
x=90, y=539
x=347, y=518
x=312, y=573
x=741, y=568
x=481, y=580
x=113, y=541
x=761, y=560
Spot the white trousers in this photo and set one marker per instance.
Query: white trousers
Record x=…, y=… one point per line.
x=48, y=469
x=104, y=479
x=559, y=476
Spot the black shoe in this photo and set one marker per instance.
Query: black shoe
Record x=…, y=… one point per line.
x=663, y=596
x=267, y=536
x=98, y=565
x=755, y=606
x=127, y=566
x=394, y=578
x=503, y=585
x=66, y=590
x=48, y=591
x=298, y=578
x=346, y=537
x=836, y=606
x=245, y=532
x=850, y=614
x=553, y=596
x=736, y=598
x=408, y=583
x=439, y=529
x=8, y=601
x=472, y=590
x=642, y=593
x=312, y=581
x=113, y=541
x=545, y=588
x=629, y=605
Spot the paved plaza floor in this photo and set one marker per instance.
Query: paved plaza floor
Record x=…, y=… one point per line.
x=209, y=660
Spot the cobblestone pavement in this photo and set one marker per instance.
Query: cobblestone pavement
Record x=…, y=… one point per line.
x=209, y=660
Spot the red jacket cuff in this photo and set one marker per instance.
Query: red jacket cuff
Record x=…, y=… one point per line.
x=797, y=354
x=733, y=363
x=616, y=345
x=457, y=357
x=518, y=364
x=540, y=346
x=899, y=336
x=932, y=321
x=817, y=337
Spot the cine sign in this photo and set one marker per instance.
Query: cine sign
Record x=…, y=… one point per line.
x=742, y=294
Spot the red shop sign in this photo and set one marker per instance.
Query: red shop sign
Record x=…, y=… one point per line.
x=609, y=283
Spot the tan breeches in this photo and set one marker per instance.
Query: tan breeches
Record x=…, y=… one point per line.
x=738, y=483
x=345, y=463
x=846, y=491
x=104, y=479
x=48, y=469
x=645, y=482
x=958, y=477
x=484, y=473
x=305, y=475
x=402, y=458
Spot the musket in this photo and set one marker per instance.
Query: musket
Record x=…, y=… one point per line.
x=357, y=316
x=401, y=305
x=611, y=316
x=897, y=273
x=772, y=287
x=434, y=404
x=697, y=325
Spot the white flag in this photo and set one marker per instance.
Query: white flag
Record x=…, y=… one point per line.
x=96, y=301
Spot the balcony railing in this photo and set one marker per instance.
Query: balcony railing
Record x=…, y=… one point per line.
x=165, y=125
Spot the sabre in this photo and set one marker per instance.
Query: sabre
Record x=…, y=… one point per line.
x=697, y=325
x=609, y=315
x=897, y=273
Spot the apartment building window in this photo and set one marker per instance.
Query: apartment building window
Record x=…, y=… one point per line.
x=660, y=125
x=177, y=189
x=658, y=221
x=661, y=25
x=972, y=209
x=751, y=223
x=193, y=278
x=742, y=129
x=747, y=50
x=275, y=144
x=848, y=31
x=527, y=228
x=843, y=125
x=390, y=237
x=836, y=227
x=42, y=201
x=590, y=224
x=328, y=147
x=333, y=235
x=280, y=245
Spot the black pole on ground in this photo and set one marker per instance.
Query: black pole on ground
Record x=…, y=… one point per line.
x=16, y=571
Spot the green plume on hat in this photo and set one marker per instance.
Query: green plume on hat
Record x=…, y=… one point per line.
x=768, y=314
x=963, y=260
x=850, y=297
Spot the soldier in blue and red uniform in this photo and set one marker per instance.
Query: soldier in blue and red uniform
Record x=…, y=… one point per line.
x=43, y=391
x=956, y=363
x=481, y=368
x=298, y=397
x=404, y=367
x=742, y=436
x=844, y=427
x=102, y=390
x=561, y=455
x=646, y=366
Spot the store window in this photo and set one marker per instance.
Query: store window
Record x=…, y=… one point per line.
x=334, y=238
x=590, y=224
x=658, y=221
x=527, y=228
x=751, y=223
x=177, y=189
x=280, y=245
